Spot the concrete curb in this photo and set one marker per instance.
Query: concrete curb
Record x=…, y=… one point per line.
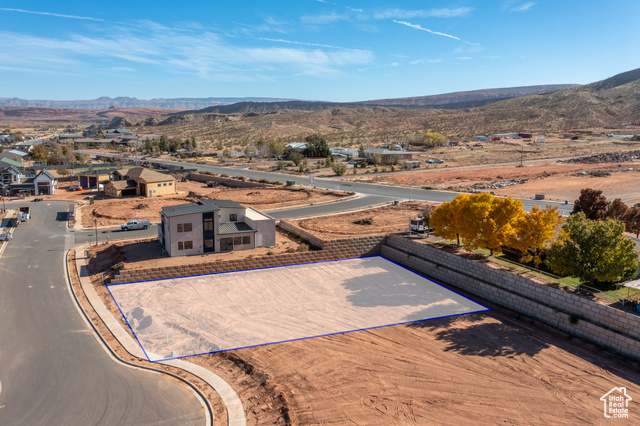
x=231, y=400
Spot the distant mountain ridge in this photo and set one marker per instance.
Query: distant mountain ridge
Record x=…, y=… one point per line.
x=105, y=102
x=226, y=105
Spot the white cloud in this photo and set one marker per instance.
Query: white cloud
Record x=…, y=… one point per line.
x=426, y=61
x=418, y=27
x=517, y=6
x=431, y=13
x=279, y=40
x=328, y=18
x=205, y=54
x=58, y=15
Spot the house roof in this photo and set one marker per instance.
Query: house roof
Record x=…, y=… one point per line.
x=16, y=152
x=201, y=206
x=123, y=184
x=234, y=228
x=47, y=174
x=11, y=162
x=98, y=172
x=297, y=145
x=147, y=175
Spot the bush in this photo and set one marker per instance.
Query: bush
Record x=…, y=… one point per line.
x=339, y=168
x=117, y=266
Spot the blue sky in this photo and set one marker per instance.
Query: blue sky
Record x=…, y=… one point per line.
x=308, y=49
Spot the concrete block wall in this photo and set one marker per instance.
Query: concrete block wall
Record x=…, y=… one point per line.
x=369, y=244
x=605, y=325
x=231, y=183
x=341, y=249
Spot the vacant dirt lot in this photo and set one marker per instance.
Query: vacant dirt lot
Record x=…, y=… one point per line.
x=558, y=180
x=381, y=220
x=490, y=367
x=114, y=211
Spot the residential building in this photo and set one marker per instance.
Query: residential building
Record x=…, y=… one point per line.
x=15, y=155
x=212, y=226
x=15, y=181
x=142, y=181
x=94, y=178
x=387, y=156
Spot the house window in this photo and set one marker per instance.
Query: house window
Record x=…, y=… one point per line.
x=237, y=241
x=208, y=243
x=165, y=184
x=188, y=245
x=208, y=224
x=170, y=183
x=233, y=217
x=246, y=240
x=159, y=184
x=180, y=245
x=185, y=227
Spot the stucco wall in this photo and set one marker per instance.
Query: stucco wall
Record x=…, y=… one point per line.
x=614, y=328
x=195, y=235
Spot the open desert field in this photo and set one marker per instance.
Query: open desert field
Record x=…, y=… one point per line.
x=380, y=220
x=557, y=181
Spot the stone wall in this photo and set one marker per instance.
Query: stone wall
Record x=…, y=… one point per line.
x=605, y=325
x=368, y=244
x=231, y=183
x=339, y=249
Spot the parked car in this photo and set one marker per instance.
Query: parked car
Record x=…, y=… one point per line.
x=135, y=224
x=429, y=161
x=438, y=160
x=38, y=199
x=353, y=162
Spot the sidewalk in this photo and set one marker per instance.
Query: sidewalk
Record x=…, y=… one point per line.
x=5, y=222
x=230, y=398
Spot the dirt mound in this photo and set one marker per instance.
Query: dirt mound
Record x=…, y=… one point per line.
x=607, y=157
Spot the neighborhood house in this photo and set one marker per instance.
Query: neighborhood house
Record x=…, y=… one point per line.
x=140, y=181
x=212, y=226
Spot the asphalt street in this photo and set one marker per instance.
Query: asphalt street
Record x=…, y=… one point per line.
x=53, y=370
x=390, y=192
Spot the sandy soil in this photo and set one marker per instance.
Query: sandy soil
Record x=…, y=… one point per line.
x=491, y=367
x=384, y=220
x=623, y=185
x=546, y=177
x=179, y=317
x=114, y=211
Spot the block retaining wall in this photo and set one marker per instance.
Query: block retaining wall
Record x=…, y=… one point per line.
x=342, y=249
x=318, y=242
x=231, y=183
x=605, y=325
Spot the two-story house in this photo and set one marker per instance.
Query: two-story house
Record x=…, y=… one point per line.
x=211, y=226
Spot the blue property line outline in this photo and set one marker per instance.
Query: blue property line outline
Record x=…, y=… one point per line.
x=130, y=328
x=486, y=309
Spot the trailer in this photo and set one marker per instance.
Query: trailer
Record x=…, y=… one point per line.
x=24, y=215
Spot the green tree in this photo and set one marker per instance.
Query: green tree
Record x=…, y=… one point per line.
x=316, y=146
x=164, y=143
x=295, y=157
x=592, y=203
x=361, y=153
x=174, y=144
x=250, y=152
x=40, y=153
x=593, y=250
x=339, y=168
x=276, y=148
x=194, y=144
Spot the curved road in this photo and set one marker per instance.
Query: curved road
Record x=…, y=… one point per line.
x=53, y=370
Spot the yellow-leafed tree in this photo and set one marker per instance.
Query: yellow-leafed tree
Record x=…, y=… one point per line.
x=489, y=221
x=446, y=219
x=534, y=231
x=478, y=221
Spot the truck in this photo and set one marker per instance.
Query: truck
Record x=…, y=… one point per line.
x=419, y=224
x=24, y=215
x=135, y=224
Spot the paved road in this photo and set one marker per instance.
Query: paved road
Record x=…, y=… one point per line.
x=53, y=371
x=390, y=192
